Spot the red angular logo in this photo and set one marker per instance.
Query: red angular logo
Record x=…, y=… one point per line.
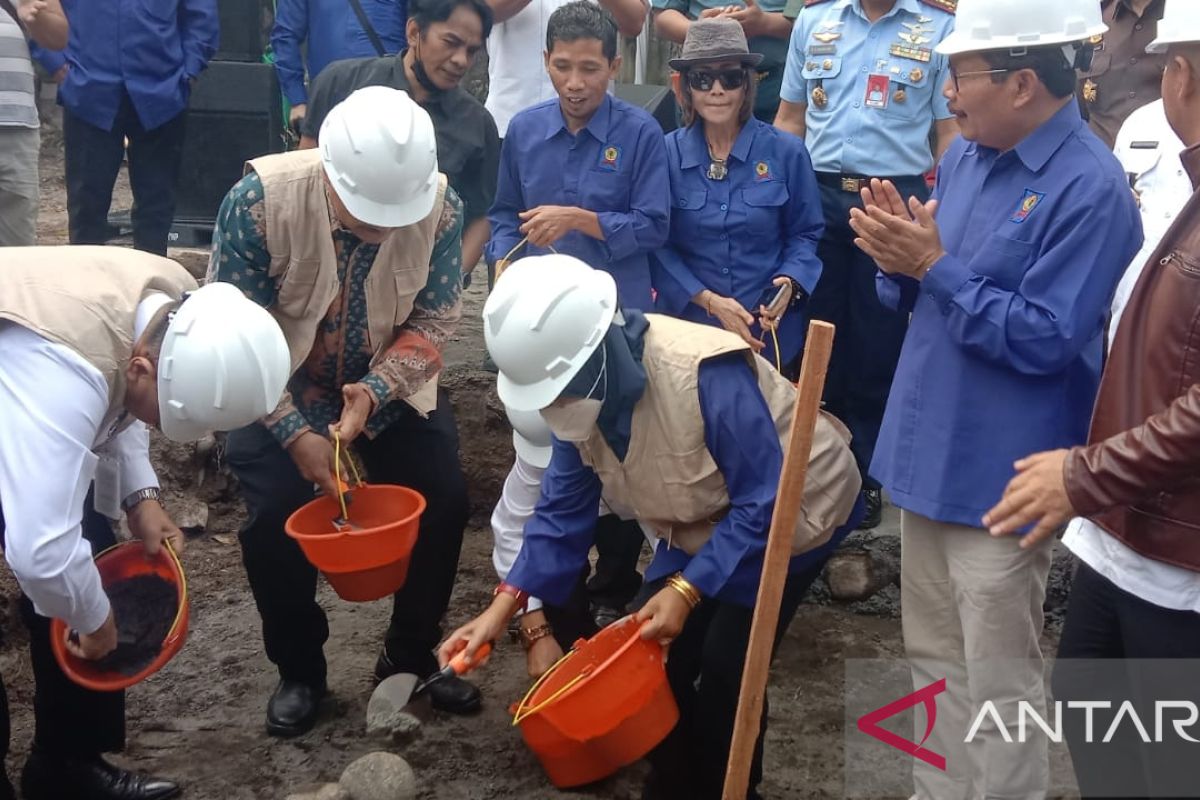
x=869, y=723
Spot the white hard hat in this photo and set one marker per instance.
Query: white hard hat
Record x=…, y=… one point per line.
x=543, y=320
x=224, y=363
x=380, y=154
x=1016, y=24
x=531, y=437
x=1180, y=24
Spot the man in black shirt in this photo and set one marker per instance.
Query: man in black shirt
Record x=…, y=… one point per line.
x=444, y=37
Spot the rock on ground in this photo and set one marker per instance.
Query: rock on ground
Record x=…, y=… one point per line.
x=386, y=712
x=379, y=776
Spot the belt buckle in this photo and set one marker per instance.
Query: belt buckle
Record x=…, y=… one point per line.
x=851, y=185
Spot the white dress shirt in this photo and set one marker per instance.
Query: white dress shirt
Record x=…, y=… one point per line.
x=52, y=406
x=1149, y=151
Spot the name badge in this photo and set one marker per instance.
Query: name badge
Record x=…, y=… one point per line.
x=878, y=88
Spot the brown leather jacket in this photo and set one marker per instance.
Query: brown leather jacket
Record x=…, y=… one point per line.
x=1139, y=476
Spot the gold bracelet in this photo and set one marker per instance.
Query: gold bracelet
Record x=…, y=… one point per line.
x=690, y=594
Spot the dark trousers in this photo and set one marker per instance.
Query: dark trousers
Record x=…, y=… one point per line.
x=1117, y=647
x=68, y=719
x=705, y=673
x=869, y=335
x=415, y=452
x=93, y=159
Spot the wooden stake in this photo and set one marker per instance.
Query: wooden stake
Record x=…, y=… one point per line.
x=817, y=350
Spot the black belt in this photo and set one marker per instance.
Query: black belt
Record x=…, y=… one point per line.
x=853, y=184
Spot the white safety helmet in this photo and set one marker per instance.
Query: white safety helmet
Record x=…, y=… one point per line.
x=1180, y=24
x=224, y=363
x=543, y=320
x=380, y=153
x=1018, y=24
x=531, y=437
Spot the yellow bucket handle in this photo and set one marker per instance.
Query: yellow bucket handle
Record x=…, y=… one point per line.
x=502, y=264
x=337, y=462
x=524, y=712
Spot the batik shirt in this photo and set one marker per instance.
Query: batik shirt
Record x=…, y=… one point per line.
x=341, y=353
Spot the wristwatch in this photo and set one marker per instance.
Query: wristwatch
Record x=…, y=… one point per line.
x=149, y=493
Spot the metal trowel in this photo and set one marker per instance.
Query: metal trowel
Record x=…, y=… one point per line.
x=404, y=687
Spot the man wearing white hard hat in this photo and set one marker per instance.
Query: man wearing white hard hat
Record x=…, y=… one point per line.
x=1136, y=594
x=684, y=426
x=98, y=342
x=355, y=248
x=1008, y=273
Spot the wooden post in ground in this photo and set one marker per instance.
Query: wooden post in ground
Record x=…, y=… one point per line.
x=817, y=350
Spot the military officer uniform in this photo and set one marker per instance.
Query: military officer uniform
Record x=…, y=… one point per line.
x=873, y=92
x=1123, y=76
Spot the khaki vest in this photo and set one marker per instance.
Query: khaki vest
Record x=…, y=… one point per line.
x=669, y=479
x=304, y=264
x=86, y=298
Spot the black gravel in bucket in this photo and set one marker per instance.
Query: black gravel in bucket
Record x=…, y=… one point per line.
x=145, y=607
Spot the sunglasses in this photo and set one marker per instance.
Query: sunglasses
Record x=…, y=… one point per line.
x=702, y=80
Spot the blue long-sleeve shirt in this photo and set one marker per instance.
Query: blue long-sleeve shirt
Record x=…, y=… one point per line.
x=740, y=434
x=1003, y=353
x=616, y=166
x=734, y=236
x=148, y=48
x=332, y=32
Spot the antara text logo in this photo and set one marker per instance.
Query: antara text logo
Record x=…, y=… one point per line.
x=1179, y=716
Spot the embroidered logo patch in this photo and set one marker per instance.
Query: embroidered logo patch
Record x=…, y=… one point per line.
x=762, y=171
x=610, y=157
x=1028, y=203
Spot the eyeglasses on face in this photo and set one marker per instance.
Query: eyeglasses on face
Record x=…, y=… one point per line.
x=701, y=80
x=956, y=75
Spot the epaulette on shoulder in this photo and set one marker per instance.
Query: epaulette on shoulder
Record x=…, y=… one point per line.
x=808, y=3
x=949, y=6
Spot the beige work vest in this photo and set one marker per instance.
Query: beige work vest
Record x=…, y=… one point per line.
x=86, y=298
x=304, y=263
x=669, y=479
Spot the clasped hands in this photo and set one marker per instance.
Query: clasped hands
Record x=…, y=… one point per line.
x=902, y=238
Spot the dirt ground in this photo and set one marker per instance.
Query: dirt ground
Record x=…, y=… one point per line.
x=201, y=719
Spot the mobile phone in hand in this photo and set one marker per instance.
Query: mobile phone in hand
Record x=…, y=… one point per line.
x=774, y=299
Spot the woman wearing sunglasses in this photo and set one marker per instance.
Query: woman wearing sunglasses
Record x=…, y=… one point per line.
x=746, y=214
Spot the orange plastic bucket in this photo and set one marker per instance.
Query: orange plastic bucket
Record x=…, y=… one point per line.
x=606, y=704
x=118, y=563
x=368, y=563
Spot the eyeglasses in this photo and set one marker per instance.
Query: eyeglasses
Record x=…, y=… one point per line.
x=701, y=80
x=954, y=75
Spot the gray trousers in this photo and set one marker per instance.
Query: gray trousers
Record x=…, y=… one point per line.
x=971, y=607
x=18, y=186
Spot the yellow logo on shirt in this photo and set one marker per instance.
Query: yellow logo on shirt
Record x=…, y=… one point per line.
x=762, y=171
x=610, y=157
x=1028, y=203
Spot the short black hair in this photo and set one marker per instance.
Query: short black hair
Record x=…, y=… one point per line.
x=583, y=19
x=1048, y=62
x=426, y=12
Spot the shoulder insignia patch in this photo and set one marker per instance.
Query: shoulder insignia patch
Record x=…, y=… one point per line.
x=949, y=6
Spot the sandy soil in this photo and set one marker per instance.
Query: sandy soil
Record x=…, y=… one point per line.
x=201, y=719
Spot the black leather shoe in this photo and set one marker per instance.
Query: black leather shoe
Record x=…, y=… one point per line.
x=873, y=500
x=292, y=709
x=455, y=696
x=52, y=777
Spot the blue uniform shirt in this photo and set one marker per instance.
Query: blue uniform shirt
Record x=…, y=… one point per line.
x=734, y=236
x=1003, y=354
x=740, y=434
x=882, y=84
x=616, y=166
x=149, y=48
x=332, y=32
